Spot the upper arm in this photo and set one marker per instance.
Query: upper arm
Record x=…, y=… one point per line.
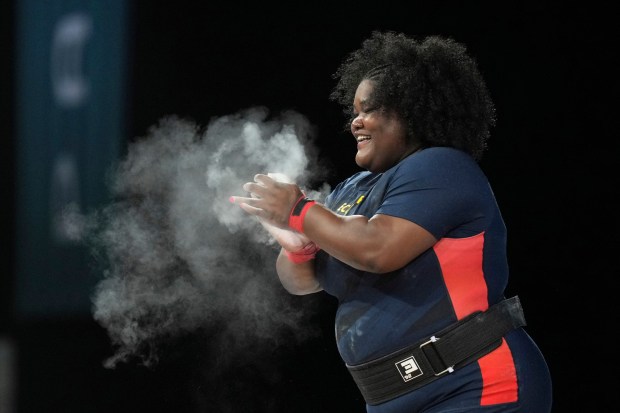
x=393, y=242
x=405, y=212
x=380, y=244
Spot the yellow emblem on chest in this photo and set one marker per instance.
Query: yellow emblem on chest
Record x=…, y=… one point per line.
x=346, y=207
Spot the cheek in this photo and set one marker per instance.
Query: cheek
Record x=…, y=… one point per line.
x=396, y=134
x=396, y=129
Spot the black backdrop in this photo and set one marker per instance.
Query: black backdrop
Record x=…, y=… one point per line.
x=551, y=160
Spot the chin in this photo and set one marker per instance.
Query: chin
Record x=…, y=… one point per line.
x=360, y=162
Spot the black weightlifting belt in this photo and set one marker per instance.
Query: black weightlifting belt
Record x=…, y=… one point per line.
x=455, y=346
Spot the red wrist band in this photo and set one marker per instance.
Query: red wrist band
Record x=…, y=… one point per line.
x=306, y=254
x=298, y=213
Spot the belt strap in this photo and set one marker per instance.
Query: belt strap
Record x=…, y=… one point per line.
x=457, y=345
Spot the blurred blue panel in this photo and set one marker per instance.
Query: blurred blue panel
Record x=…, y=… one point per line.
x=70, y=115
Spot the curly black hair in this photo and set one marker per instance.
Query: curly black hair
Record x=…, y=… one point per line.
x=432, y=83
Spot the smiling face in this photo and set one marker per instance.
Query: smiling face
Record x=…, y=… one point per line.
x=381, y=136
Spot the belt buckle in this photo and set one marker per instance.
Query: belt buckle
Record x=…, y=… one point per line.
x=432, y=340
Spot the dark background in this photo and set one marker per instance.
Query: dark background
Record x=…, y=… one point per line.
x=552, y=72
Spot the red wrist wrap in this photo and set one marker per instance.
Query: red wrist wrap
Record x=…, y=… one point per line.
x=298, y=213
x=306, y=254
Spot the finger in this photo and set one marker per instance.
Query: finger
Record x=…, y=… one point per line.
x=260, y=213
x=256, y=190
x=263, y=179
x=243, y=200
x=279, y=177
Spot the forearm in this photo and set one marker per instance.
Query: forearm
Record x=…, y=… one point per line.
x=342, y=237
x=298, y=279
x=379, y=244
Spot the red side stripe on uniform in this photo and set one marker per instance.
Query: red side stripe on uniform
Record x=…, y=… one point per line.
x=499, y=376
x=461, y=264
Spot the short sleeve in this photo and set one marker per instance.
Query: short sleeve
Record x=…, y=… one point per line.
x=440, y=189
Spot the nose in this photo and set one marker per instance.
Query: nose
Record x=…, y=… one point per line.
x=356, y=124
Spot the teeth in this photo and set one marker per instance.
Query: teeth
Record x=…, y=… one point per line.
x=363, y=138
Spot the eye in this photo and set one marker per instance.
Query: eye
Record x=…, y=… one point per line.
x=370, y=109
x=363, y=113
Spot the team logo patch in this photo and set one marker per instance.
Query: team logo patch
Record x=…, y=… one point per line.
x=408, y=368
